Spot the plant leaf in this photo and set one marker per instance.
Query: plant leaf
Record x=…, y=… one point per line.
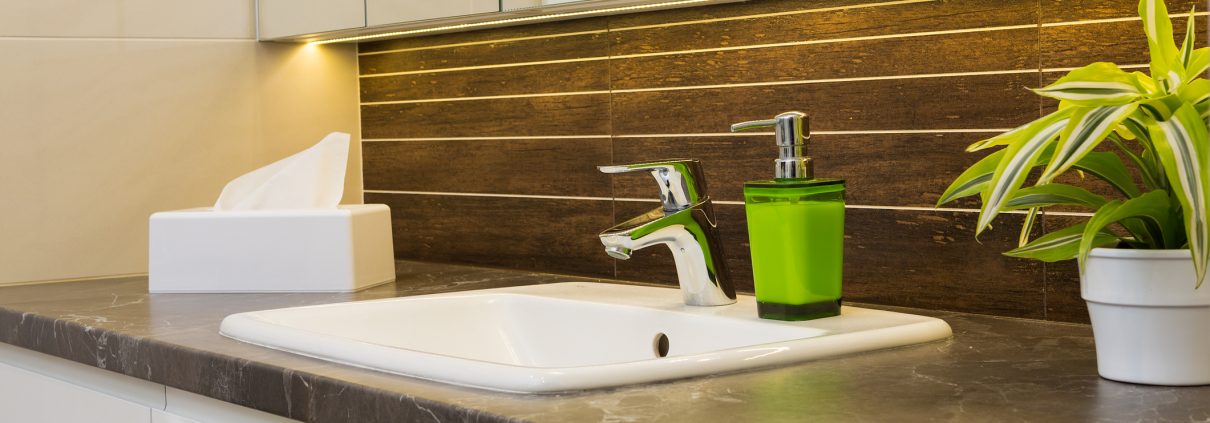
x=1199, y=60
x=1152, y=206
x=1098, y=84
x=1165, y=58
x=1195, y=91
x=1019, y=158
x=1181, y=144
x=1027, y=226
x=1087, y=128
x=1151, y=178
x=1186, y=52
x=1109, y=168
x=1053, y=195
x=972, y=181
x=1060, y=245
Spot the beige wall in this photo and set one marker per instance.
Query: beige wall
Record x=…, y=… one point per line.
x=113, y=109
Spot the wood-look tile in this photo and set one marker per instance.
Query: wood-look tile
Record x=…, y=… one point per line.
x=896, y=257
x=527, y=116
x=879, y=169
x=999, y=50
x=830, y=24
x=536, y=167
x=961, y=102
x=492, y=34
x=1082, y=10
x=1063, y=300
x=535, y=50
x=725, y=10
x=537, y=79
x=1124, y=43
x=519, y=233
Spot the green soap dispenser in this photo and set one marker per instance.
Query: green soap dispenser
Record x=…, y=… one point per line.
x=795, y=229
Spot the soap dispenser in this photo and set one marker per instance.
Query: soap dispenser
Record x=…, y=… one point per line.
x=795, y=229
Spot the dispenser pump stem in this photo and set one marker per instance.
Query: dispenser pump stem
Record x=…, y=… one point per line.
x=792, y=130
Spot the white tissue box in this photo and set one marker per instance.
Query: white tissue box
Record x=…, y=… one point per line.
x=322, y=250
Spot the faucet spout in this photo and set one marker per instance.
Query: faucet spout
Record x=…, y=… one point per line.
x=692, y=236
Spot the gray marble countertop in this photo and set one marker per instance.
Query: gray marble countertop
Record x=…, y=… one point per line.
x=994, y=369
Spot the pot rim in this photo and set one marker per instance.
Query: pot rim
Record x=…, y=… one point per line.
x=1128, y=253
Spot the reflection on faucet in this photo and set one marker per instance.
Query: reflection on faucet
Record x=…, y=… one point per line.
x=685, y=223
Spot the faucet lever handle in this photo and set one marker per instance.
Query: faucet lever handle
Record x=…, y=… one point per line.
x=681, y=181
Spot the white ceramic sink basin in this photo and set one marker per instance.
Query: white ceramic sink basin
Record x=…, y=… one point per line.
x=567, y=336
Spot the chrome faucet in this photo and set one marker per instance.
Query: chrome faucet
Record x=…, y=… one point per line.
x=685, y=223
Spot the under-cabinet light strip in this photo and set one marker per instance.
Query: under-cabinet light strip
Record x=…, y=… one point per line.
x=772, y=15
x=720, y=202
x=523, y=19
x=663, y=25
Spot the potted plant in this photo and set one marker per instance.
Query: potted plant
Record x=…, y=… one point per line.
x=1143, y=252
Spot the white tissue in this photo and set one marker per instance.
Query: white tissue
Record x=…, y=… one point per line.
x=311, y=179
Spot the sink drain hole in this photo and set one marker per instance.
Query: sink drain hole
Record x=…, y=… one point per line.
x=660, y=345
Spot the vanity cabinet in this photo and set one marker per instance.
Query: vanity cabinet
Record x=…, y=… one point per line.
x=289, y=18
x=38, y=388
x=387, y=12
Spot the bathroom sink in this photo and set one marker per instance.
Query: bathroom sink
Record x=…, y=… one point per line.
x=567, y=336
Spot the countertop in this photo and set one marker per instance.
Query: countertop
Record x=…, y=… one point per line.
x=993, y=369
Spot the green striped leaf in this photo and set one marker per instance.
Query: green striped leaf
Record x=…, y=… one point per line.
x=1187, y=47
x=1054, y=195
x=1021, y=132
x=973, y=180
x=1165, y=58
x=1152, y=207
x=1019, y=158
x=1060, y=245
x=1086, y=129
x=1199, y=61
x=1098, y=84
x=1181, y=144
x=1028, y=226
x=1195, y=91
x=1109, y=168
x=1151, y=175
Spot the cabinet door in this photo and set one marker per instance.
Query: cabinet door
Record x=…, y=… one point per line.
x=285, y=18
x=382, y=12
x=29, y=397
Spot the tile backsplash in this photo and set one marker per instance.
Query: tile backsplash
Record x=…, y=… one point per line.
x=484, y=144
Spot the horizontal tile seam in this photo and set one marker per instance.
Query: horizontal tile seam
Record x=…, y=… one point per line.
x=708, y=50
x=630, y=28
x=653, y=200
x=1113, y=20
x=689, y=135
x=476, y=43
x=732, y=48
x=739, y=85
x=711, y=87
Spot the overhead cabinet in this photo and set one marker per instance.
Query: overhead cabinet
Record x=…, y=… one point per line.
x=387, y=12
x=279, y=19
x=352, y=20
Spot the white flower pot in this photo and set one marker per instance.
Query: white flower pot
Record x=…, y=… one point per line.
x=1151, y=325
